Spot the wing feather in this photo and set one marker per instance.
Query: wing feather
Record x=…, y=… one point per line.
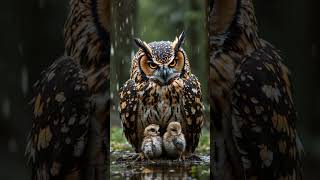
x=193, y=112
x=61, y=110
x=128, y=112
x=263, y=118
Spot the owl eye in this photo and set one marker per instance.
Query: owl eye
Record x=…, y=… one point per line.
x=153, y=130
x=153, y=65
x=173, y=63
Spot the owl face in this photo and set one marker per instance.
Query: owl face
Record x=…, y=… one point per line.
x=152, y=130
x=163, y=61
x=174, y=128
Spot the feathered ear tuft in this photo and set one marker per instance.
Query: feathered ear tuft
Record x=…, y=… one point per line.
x=143, y=45
x=178, y=41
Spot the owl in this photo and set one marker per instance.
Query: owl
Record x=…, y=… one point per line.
x=161, y=89
x=174, y=142
x=253, y=110
x=68, y=138
x=152, y=142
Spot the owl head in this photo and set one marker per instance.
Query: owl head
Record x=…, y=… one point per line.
x=152, y=130
x=174, y=128
x=162, y=61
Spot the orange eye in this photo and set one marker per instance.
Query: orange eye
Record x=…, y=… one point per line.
x=173, y=63
x=153, y=65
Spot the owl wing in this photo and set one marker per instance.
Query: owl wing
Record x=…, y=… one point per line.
x=61, y=109
x=263, y=119
x=128, y=113
x=193, y=112
x=179, y=143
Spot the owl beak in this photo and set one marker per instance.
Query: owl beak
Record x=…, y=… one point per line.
x=165, y=76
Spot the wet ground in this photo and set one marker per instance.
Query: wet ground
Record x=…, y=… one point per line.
x=123, y=166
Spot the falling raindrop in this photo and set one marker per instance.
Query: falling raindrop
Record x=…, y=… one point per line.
x=117, y=86
x=20, y=49
x=112, y=51
x=127, y=20
x=24, y=80
x=6, y=108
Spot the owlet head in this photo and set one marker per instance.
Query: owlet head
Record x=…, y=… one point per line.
x=152, y=130
x=174, y=128
x=162, y=61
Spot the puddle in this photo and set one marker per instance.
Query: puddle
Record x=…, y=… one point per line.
x=160, y=169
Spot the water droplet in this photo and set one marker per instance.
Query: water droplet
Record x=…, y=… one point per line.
x=6, y=108
x=24, y=80
x=112, y=51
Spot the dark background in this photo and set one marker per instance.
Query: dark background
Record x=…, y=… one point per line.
x=31, y=38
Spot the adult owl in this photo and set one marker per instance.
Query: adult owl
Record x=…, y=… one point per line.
x=69, y=134
x=161, y=89
x=251, y=97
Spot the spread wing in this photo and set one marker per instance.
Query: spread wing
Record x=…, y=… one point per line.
x=61, y=109
x=128, y=113
x=263, y=119
x=193, y=112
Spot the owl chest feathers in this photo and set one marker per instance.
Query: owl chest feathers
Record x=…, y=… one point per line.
x=152, y=146
x=160, y=104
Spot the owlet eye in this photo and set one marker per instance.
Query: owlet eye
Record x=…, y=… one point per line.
x=153, y=65
x=173, y=63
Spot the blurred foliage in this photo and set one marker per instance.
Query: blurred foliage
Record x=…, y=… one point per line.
x=117, y=140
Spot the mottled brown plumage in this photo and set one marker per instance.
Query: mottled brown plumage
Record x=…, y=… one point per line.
x=69, y=136
x=161, y=89
x=251, y=98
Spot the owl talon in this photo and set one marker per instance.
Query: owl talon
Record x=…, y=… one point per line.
x=140, y=157
x=182, y=158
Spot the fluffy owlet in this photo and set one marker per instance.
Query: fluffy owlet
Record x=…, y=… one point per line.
x=251, y=98
x=174, y=142
x=152, y=142
x=161, y=89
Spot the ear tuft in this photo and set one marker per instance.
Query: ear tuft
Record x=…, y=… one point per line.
x=143, y=45
x=178, y=41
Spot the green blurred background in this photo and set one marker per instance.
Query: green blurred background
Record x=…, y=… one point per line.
x=31, y=38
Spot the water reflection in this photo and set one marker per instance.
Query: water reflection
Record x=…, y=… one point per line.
x=164, y=170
